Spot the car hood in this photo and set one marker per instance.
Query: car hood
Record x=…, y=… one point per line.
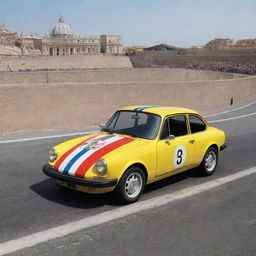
x=78, y=155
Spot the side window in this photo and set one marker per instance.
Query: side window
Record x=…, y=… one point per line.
x=178, y=126
x=175, y=125
x=196, y=124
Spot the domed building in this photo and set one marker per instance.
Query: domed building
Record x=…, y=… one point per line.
x=61, y=41
x=61, y=29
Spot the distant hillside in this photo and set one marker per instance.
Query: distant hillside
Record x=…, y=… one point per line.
x=161, y=47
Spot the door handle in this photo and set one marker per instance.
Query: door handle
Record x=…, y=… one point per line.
x=191, y=141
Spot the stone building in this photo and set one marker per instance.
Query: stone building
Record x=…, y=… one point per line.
x=29, y=45
x=61, y=41
x=111, y=44
x=134, y=50
x=246, y=43
x=7, y=37
x=226, y=43
x=8, y=42
x=219, y=44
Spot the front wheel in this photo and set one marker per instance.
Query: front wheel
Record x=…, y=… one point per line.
x=209, y=163
x=131, y=185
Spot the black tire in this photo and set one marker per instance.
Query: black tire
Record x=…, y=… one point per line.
x=205, y=169
x=122, y=191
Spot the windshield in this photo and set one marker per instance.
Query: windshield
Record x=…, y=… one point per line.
x=136, y=124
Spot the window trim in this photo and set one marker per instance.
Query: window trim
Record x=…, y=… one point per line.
x=203, y=121
x=178, y=114
x=127, y=110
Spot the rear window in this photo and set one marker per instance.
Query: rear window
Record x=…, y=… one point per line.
x=196, y=124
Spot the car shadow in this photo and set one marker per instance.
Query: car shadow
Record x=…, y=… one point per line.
x=52, y=191
x=171, y=180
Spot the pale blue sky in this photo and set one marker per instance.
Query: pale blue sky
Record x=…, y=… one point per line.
x=139, y=22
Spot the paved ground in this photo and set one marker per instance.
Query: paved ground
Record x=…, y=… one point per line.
x=221, y=221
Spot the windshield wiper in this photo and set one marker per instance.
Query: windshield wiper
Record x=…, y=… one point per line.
x=106, y=130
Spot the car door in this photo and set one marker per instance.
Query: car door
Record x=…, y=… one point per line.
x=176, y=152
x=198, y=129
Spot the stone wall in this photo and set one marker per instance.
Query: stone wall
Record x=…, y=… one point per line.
x=66, y=62
x=30, y=106
x=113, y=75
x=180, y=58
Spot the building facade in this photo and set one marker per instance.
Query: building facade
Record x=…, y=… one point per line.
x=226, y=43
x=246, y=43
x=8, y=41
x=61, y=41
x=7, y=37
x=111, y=44
x=219, y=44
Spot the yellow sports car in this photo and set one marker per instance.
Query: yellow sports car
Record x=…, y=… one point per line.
x=137, y=146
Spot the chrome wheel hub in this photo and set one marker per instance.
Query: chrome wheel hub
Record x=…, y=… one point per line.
x=210, y=161
x=133, y=185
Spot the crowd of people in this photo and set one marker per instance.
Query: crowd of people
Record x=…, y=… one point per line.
x=219, y=66
x=49, y=69
x=222, y=66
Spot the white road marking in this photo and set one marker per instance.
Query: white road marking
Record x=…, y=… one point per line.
x=231, y=110
x=120, y=212
x=231, y=118
x=251, y=222
x=47, y=137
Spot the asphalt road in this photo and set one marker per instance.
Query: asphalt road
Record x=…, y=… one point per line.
x=221, y=221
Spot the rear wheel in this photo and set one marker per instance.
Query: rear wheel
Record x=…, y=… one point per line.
x=131, y=185
x=209, y=163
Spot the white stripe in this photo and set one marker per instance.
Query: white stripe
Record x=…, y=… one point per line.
x=231, y=118
x=74, y=153
x=81, y=159
x=231, y=110
x=120, y=212
x=47, y=137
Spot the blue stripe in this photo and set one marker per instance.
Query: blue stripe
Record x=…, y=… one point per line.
x=147, y=107
x=73, y=160
x=68, y=166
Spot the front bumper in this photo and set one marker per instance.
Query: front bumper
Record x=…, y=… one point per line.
x=104, y=183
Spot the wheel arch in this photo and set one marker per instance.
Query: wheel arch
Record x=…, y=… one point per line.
x=214, y=145
x=139, y=165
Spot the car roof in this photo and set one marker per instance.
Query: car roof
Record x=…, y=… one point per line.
x=160, y=110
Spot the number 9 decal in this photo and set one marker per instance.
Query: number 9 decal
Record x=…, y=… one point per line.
x=179, y=156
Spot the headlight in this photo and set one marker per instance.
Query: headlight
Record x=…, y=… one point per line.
x=101, y=166
x=52, y=155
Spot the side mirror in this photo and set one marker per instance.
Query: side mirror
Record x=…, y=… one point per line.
x=171, y=137
x=101, y=125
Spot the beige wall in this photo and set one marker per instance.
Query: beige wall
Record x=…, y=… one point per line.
x=47, y=106
x=114, y=75
x=58, y=62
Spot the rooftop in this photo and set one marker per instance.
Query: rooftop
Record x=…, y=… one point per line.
x=160, y=110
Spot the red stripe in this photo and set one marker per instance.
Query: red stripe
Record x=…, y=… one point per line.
x=83, y=168
x=62, y=158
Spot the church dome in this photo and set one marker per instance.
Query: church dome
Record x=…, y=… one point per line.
x=61, y=28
